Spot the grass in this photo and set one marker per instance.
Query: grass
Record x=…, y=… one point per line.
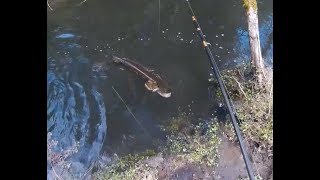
x=254, y=107
x=127, y=167
x=185, y=143
x=195, y=142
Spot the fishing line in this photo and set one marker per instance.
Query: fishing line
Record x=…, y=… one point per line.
x=129, y=109
x=159, y=26
x=125, y=104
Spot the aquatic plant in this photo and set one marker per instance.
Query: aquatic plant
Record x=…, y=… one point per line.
x=197, y=148
x=127, y=167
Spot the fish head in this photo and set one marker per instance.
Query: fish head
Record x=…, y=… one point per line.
x=164, y=91
x=151, y=86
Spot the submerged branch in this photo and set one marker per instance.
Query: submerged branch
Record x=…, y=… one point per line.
x=240, y=87
x=49, y=6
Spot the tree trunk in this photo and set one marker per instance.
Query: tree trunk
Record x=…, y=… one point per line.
x=256, y=57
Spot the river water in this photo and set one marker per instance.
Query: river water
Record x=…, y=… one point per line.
x=82, y=105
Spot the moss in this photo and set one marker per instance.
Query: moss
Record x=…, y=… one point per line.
x=196, y=148
x=250, y=3
x=126, y=167
x=219, y=94
x=177, y=123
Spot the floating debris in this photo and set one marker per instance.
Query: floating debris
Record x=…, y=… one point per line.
x=65, y=36
x=210, y=79
x=222, y=34
x=221, y=47
x=191, y=41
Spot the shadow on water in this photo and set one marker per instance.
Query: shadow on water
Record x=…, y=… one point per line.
x=81, y=102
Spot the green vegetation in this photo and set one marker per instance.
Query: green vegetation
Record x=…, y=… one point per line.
x=195, y=147
x=185, y=143
x=254, y=107
x=198, y=144
x=127, y=167
x=178, y=124
x=250, y=3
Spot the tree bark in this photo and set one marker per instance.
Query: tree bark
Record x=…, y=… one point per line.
x=256, y=57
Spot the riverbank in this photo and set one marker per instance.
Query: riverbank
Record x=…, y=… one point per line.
x=192, y=153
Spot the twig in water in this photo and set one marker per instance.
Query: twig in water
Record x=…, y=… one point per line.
x=49, y=6
x=240, y=88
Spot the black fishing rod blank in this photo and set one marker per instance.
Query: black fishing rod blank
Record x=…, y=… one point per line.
x=227, y=99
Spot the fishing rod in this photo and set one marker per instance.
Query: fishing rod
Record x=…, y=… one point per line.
x=227, y=98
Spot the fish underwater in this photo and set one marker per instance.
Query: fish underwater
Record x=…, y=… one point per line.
x=154, y=81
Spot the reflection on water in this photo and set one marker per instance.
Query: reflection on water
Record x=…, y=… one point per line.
x=242, y=46
x=76, y=111
x=81, y=102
